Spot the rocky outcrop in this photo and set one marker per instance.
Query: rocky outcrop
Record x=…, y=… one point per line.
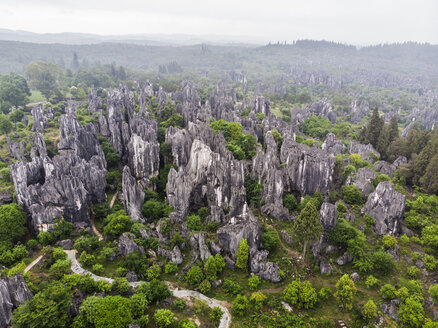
x=127, y=244
x=328, y=216
x=384, y=167
x=174, y=255
x=66, y=185
x=266, y=169
x=363, y=180
x=366, y=152
x=358, y=110
x=6, y=196
x=16, y=149
x=243, y=227
x=143, y=149
x=197, y=242
x=386, y=206
x=181, y=143
x=264, y=269
x=323, y=108
x=133, y=195
x=307, y=169
x=390, y=308
x=13, y=292
x=40, y=121
x=332, y=145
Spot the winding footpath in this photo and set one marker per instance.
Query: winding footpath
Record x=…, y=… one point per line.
x=180, y=293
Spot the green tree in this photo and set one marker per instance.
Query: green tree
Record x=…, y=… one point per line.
x=216, y=315
x=433, y=292
x=270, y=239
x=352, y=195
x=290, y=202
x=257, y=300
x=139, y=304
x=374, y=128
x=153, y=272
x=411, y=312
x=307, y=227
x=48, y=308
x=242, y=255
x=45, y=77
x=204, y=286
x=59, y=269
x=5, y=124
x=194, y=222
x=240, y=305
x=87, y=312
x=301, y=294
x=12, y=224
x=194, y=276
x=117, y=223
x=253, y=282
x=164, y=318
x=211, y=269
x=114, y=311
x=369, y=311
x=345, y=291
x=155, y=209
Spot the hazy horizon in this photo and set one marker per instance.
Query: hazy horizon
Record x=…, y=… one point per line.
x=352, y=22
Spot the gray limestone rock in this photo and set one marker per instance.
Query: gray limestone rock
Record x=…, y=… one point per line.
x=174, y=255
x=264, y=269
x=307, y=169
x=386, y=206
x=133, y=195
x=66, y=244
x=328, y=216
x=127, y=244
x=363, y=180
x=325, y=267
x=390, y=308
x=13, y=292
x=366, y=152
x=332, y=145
x=385, y=168
x=344, y=259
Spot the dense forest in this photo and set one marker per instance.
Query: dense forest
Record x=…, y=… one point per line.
x=289, y=185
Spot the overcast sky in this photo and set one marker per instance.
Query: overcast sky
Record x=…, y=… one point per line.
x=352, y=21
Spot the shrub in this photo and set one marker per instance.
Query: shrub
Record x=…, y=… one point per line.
x=411, y=312
x=97, y=269
x=253, y=282
x=212, y=226
x=240, y=305
x=164, y=318
x=270, y=240
x=371, y=281
x=179, y=304
x=413, y=272
x=325, y=293
x=204, y=286
x=369, y=311
x=342, y=233
x=404, y=240
x=389, y=241
x=231, y=287
x=388, y=292
x=155, y=209
x=290, y=202
x=345, y=291
x=45, y=238
x=194, y=223
x=194, y=276
x=121, y=285
x=170, y=267
x=87, y=260
x=383, y=262
x=352, y=195
x=139, y=304
x=117, y=223
x=429, y=262
x=301, y=294
x=216, y=316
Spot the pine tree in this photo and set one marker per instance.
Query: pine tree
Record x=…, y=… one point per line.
x=383, y=141
x=374, y=128
x=393, y=129
x=242, y=255
x=307, y=227
x=429, y=181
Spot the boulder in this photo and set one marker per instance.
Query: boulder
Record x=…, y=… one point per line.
x=174, y=255
x=386, y=206
x=390, y=308
x=344, y=259
x=325, y=267
x=127, y=244
x=66, y=244
x=197, y=242
x=263, y=269
x=384, y=167
x=354, y=276
x=6, y=196
x=366, y=152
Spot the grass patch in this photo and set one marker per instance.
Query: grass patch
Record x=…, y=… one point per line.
x=36, y=96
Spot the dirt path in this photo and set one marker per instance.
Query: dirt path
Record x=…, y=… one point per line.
x=93, y=227
x=181, y=293
x=113, y=200
x=34, y=262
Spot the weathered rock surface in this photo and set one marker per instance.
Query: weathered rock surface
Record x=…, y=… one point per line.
x=384, y=167
x=325, y=267
x=390, y=308
x=366, y=152
x=328, y=216
x=307, y=169
x=13, y=292
x=174, y=255
x=197, y=242
x=358, y=110
x=67, y=184
x=133, y=195
x=323, y=108
x=363, y=180
x=6, y=196
x=332, y=145
x=264, y=269
x=127, y=244
x=40, y=121
x=266, y=169
x=386, y=206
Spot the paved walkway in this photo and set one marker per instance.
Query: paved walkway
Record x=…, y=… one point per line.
x=34, y=262
x=181, y=293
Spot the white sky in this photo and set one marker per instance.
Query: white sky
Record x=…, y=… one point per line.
x=353, y=21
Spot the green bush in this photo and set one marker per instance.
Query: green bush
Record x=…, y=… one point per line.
x=352, y=195
x=301, y=294
x=290, y=202
x=388, y=292
x=270, y=240
x=231, y=287
x=194, y=223
x=155, y=209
